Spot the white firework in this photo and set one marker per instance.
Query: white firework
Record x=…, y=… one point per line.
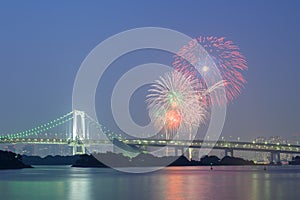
x=174, y=102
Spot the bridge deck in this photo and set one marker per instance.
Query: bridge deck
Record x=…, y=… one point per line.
x=241, y=146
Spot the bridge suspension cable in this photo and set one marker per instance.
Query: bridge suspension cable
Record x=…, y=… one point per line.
x=39, y=129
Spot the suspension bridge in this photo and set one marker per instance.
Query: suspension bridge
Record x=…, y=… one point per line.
x=80, y=131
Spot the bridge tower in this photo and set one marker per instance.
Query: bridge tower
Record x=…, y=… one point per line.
x=79, y=133
x=275, y=157
x=229, y=152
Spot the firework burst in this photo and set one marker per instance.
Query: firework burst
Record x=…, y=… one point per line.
x=226, y=56
x=173, y=103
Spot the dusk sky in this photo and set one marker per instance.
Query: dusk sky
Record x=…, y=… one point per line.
x=42, y=45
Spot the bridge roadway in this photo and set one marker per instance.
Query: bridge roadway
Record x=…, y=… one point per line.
x=225, y=145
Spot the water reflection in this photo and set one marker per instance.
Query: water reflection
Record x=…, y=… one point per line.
x=79, y=188
x=172, y=183
x=175, y=187
x=231, y=183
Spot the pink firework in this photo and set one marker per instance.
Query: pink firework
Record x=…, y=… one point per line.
x=226, y=56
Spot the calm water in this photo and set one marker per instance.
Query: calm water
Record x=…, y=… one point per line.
x=60, y=182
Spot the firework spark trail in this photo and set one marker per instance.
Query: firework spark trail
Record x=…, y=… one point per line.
x=227, y=57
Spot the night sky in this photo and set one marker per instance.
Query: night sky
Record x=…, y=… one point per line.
x=42, y=45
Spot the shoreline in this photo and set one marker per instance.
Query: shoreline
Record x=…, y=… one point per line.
x=9, y=160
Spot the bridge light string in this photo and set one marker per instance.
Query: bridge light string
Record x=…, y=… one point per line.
x=39, y=129
x=29, y=133
x=55, y=123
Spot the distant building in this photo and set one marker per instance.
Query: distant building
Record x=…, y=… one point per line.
x=11, y=148
x=28, y=150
